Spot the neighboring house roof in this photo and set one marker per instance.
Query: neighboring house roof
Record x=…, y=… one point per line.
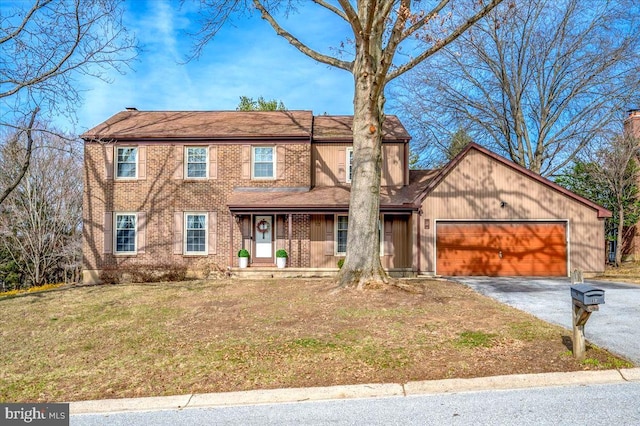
x=143, y=125
x=326, y=198
x=433, y=183
x=133, y=124
x=338, y=128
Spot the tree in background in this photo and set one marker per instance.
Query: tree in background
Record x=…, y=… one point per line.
x=45, y=46
x=40, y=221
x=610, y=178
x=386, y=39
x=249, y=104
x=537, y=82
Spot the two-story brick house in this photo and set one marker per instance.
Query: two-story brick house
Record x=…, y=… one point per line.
x=192, y=188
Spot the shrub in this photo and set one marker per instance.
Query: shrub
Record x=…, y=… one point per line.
x=243, y=253
x=340, y=263
x=282, y=253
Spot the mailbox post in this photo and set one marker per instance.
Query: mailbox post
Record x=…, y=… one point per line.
x=586, y=299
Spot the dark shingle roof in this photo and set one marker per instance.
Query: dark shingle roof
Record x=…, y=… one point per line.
x=133, y=124
x=329, y=197
x=338, y=127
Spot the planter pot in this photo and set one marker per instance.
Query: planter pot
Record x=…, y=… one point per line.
x=243, y=262
x=281, y=262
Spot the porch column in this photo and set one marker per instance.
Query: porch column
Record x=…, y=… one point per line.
x=290, y=232
x=232, y=218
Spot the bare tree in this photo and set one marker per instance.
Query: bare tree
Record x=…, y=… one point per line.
x=380, y=29
x=537, y=82
x=614, y=168
x=40, y=222
x=46, y=46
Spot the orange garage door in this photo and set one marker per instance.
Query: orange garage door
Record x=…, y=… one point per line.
x=501, y=248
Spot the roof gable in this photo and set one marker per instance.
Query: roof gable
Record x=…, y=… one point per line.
x=602, y=212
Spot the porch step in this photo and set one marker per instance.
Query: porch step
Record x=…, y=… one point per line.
x=273, y=272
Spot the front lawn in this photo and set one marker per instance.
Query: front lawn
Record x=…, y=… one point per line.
x=194, y=337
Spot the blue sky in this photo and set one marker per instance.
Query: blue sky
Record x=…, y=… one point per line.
x=247, y=58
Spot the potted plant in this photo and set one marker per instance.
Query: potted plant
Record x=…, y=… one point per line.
x=281, y=258
x=243, y=258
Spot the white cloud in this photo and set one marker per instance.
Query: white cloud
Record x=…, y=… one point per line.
x=245, y=59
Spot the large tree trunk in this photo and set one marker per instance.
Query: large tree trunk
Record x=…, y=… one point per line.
x=362, y=263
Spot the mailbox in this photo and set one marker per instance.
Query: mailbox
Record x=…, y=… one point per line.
x=587, y=294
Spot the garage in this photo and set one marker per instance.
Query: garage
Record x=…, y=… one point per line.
x=501, y=248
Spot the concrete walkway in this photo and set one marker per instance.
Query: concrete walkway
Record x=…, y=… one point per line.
x=614, y=327
x=517, y=381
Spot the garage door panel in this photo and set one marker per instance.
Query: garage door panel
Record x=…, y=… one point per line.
x=525, y=249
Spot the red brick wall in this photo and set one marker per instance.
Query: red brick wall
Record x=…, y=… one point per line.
x=159, y=195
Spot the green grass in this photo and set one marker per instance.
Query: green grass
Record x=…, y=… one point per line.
x=474, y=339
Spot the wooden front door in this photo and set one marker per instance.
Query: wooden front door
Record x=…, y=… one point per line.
x=501, y=248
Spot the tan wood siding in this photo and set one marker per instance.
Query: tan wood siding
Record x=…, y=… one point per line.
x=501, y=249
x=328, y=162
x=475, y=189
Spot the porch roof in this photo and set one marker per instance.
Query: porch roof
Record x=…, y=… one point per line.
x=326, y=198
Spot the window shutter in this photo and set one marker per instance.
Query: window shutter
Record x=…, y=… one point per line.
x=178, y=171
x=213, y=162
x=141, y=232
x=246, y=161
x=342, y=170
x=142, y=162
x=281, y=153
x=213, y=232
x=387, y=232
x=280, y=227
x=108, y=160
x=177, y=232
x=108, y=232
x=328, y=236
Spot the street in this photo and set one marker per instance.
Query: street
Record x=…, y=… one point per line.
x=603, y=404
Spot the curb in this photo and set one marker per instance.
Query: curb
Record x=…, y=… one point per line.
x=517, y=381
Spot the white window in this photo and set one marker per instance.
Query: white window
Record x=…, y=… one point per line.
x=263, y=164
x=342, y=224
x=125, y=235
x=349, y=163
x=195, y=236
x=126, y=162
x=196, y=162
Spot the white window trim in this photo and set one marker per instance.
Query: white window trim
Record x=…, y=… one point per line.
x=186, y=163
x=116, y=162
x=115, y=234
x=274, y=162
x=348, y=164
x=186, y=230
x=335, y=234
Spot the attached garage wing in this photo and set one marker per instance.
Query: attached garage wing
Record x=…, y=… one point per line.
x=501, y=248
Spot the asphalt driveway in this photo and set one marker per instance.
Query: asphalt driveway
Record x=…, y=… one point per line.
x=616, y=326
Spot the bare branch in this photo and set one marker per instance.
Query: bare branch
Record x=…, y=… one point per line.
x=26, y=161
x=299, y=45
x=444, y=42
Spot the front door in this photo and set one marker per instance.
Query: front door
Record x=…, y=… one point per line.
x=263, y=226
